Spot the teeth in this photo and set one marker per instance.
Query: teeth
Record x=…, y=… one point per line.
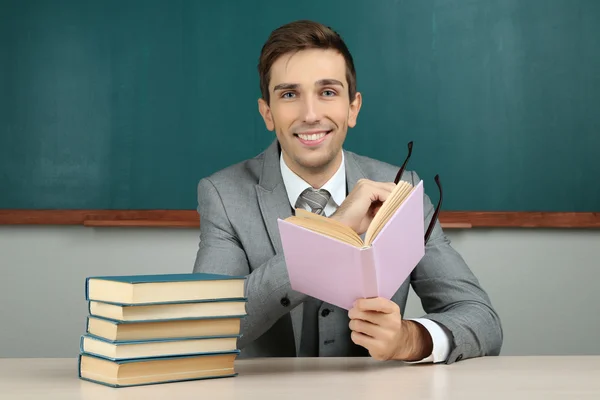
x=315, y=136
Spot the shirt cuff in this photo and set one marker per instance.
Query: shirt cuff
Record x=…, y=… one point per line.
x=440, y=338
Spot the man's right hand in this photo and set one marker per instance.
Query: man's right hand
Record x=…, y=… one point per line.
x=361, y=205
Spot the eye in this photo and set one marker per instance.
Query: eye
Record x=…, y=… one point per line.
x=329, y=93
x=288, y=95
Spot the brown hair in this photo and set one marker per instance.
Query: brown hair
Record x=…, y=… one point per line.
x=301, y=35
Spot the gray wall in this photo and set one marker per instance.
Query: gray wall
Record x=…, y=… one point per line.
x=543, y=282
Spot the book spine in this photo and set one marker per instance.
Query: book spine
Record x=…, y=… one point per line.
x=87, y=288
x=369, y=271
x=81, y=339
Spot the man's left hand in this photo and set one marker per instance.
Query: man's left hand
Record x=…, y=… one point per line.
x=377, y=325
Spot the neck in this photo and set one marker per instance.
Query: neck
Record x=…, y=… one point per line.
x=315, y=177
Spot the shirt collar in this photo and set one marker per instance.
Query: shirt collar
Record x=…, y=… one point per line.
x=294, y=185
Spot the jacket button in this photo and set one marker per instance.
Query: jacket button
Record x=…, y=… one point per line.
x=285, y=301
x=325, y=312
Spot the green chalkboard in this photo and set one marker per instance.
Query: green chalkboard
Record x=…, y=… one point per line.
x=127, y=104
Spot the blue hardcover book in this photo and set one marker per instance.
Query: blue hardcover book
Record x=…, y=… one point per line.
x=164, y=288
x=125, y=350
x=137, y=372
x=118, y=331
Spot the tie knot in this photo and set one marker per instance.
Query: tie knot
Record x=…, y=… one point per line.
x=316, y=199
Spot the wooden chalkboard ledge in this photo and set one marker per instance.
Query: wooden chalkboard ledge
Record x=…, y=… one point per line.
x=152, y=218
x=189, y=218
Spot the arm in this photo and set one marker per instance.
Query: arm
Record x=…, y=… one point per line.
x=460, y=321
x=452, y=296
x=220, y=252
x=430, y=340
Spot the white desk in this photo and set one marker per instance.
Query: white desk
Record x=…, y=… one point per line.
x=548, y=378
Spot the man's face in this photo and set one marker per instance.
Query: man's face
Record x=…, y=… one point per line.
x=310, y=109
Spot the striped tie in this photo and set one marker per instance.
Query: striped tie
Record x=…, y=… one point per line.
x=316, y=200
x=309, y=339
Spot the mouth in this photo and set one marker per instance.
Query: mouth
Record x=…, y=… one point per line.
x=312, y=138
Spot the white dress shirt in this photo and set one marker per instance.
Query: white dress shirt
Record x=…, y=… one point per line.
x=336, y=186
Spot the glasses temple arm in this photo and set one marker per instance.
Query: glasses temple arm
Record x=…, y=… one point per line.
x=401, y=171
x=437, y=210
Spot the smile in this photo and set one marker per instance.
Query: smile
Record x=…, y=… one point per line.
x=312, y=139
x=314, y=136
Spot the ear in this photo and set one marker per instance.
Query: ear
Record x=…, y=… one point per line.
x=265, y=111
x=354, y=109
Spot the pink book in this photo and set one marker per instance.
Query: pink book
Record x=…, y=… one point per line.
x=339, y=273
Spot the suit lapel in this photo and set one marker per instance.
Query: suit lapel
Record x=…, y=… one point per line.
x=272, y=196
x=353, y=171
x=353, y=174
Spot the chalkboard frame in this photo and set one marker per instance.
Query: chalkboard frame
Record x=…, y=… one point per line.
x=425, y=45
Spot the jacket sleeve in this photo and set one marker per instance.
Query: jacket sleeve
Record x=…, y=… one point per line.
x=452, y=296
x=267, y=287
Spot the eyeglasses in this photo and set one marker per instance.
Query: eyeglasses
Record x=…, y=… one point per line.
x=439, y=185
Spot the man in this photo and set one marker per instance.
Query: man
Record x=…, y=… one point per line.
x=309, y=98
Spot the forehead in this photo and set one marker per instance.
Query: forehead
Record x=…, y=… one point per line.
x=306, y=67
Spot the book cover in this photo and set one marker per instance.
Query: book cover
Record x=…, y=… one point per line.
x=339, y=273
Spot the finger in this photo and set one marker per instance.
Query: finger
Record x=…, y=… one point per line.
x=373, y=317
x=364, y=327
x=379, y=304
x=389, y=186
x=379, y=193
x=384, y=192
x=362, y=340
x=386, y=187
x=369, y=185
x=375, y=206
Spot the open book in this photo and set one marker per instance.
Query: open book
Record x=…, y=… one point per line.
x=327, y=260
x=337, y=230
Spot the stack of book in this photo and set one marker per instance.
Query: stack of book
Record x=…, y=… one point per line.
x=148, y=329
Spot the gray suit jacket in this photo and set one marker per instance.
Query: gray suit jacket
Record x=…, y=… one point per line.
x=238, y=209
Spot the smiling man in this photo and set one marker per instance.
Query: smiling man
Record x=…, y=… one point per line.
x=309, y=98
x=307, y=103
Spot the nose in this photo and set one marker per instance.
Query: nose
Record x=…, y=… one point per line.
x=311, y=110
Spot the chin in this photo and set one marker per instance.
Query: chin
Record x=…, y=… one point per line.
x=316, y=161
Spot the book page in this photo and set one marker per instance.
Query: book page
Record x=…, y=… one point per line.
x=389, y=207
x=326, y=226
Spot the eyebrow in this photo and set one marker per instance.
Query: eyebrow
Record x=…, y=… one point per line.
x=285, y=86
x=321, y=82
x=329, y=82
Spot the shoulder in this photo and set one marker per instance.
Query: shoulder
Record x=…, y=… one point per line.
x=236, y=177
x=378, y=170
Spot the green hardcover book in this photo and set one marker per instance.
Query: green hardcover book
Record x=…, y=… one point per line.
x=164, y=288
x=125, y=350
x=117, y=331
x=137, y=372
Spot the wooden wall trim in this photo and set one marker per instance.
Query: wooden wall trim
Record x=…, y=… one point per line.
x=158, y=218
x=189, y=219
x=495, y=219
